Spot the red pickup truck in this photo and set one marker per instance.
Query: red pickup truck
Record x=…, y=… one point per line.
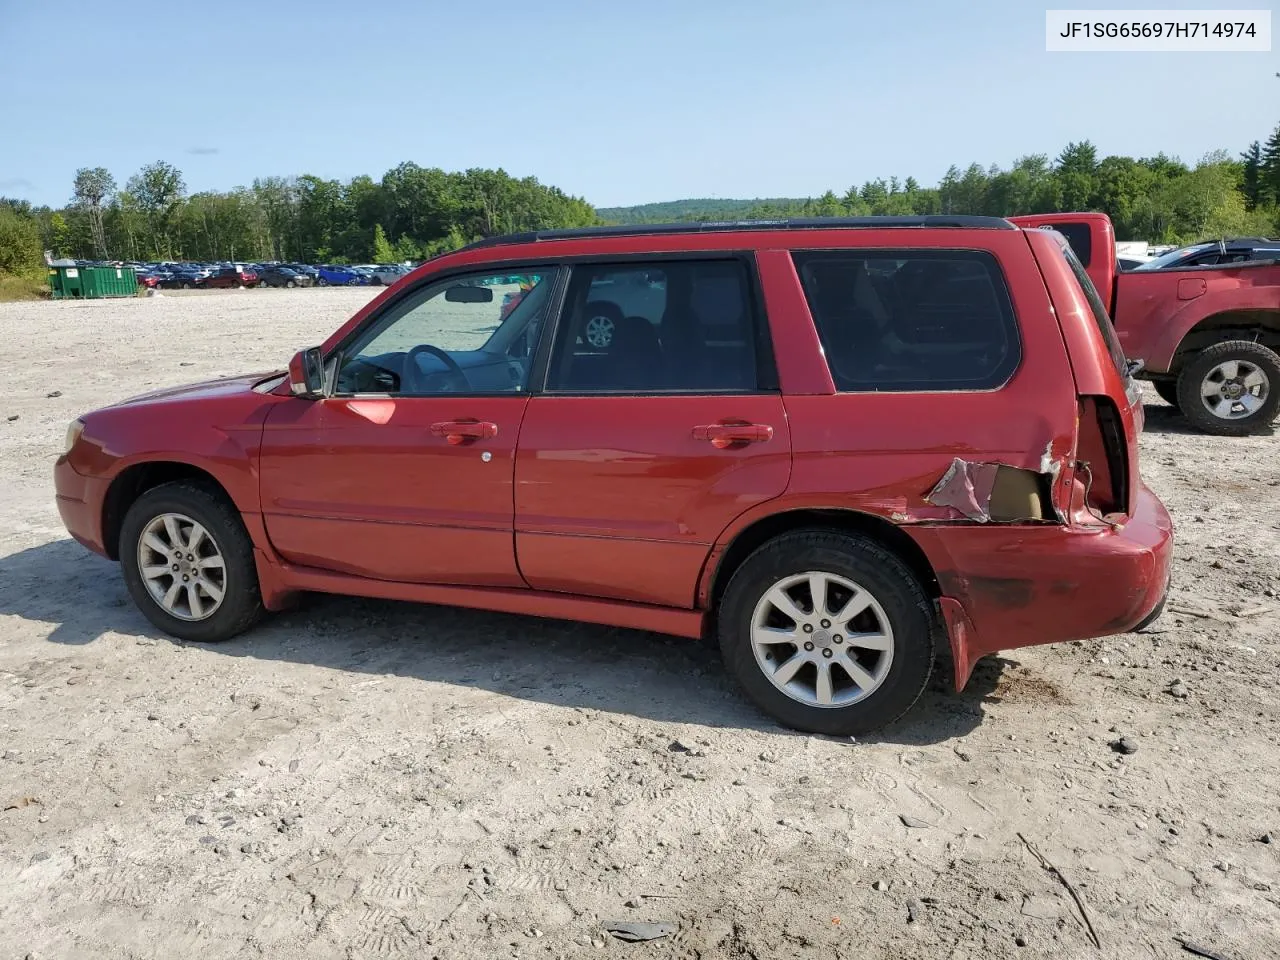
x=1208, y=336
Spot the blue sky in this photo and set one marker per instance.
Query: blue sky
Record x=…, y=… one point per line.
x=621, y=102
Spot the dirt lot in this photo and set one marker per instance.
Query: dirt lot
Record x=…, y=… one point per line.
x=371, y=780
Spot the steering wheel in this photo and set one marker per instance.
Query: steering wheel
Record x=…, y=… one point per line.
x=415, y=375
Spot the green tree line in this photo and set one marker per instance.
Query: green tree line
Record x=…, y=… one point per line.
x=414, y=212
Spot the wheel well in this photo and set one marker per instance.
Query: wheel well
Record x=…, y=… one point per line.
x=132, y=483
x=1261, y=326
x=882, y=531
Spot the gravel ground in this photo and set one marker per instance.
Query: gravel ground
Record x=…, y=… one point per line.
x=372, y=780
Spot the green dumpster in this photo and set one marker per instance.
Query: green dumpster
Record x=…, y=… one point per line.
x=67, y=280
x=64, y=279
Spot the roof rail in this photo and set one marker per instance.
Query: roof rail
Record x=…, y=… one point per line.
x=723, y=226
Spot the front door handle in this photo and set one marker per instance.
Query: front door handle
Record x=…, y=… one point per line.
x=724, y=435
x=460, y=431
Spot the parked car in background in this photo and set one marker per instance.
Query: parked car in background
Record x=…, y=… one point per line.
x=1214, y=252
x=331, y=275
x=1207, y=335
x=225, y=277
x=763, y=452
x=305, y=269
x=281, y=276
x=181, y=277
x=1131, y=263
x=383, y=274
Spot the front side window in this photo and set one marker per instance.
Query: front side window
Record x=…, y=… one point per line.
x=911, y=320
x=673, y=326
x=472, y=334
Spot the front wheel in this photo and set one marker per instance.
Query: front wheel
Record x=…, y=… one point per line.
x=188, y=562
x=1231, y=389
x=827, y=632
x=290, y=283
x=322, y=282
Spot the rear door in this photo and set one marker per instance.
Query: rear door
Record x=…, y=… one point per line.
x=654, y=432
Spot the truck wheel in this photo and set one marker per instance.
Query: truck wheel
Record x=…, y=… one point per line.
x=1231, y=389
x=827, y=632
x=188, y=563
x=1168, y=391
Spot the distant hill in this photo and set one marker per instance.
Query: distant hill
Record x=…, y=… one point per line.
x=700, y=209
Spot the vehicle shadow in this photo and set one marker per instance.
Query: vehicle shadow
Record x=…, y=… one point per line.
x=556, y=662
x=1167, y=419
x=1161, y=417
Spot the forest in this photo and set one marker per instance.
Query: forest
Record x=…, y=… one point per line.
x=414, y=212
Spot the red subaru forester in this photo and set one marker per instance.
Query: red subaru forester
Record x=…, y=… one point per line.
x=825, y=442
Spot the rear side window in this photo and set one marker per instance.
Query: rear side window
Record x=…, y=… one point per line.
x=911, y=320
x=1079, y=236
x=1098, y=309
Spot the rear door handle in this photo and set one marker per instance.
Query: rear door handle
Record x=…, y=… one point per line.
x=724, y=435
x=460, y=431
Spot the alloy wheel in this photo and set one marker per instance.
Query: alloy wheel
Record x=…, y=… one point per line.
x=182, y=567
x=1234, y=389
x=822, y=639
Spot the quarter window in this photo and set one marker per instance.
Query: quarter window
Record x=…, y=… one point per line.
x=911, y=320
x=672, y=326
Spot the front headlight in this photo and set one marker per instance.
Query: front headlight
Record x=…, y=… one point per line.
x=73, y=434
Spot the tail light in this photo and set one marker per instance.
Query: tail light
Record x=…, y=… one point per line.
x=1102, y=482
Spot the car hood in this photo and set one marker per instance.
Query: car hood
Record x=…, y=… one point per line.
x=205, y=390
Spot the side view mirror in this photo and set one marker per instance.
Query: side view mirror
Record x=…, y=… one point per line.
x=306, y=373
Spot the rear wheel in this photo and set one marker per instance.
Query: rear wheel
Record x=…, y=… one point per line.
x=827, y=632
x=322, y=282
x=1231, y=389
x=186, y=285
x=1168, y=391
x=188, y=562
x=290, y=283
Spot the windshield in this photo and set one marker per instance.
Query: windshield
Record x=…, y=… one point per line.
x=1173, y=256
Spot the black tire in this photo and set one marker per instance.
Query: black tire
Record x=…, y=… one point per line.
x=1167, y=390
x=1202, y=364
x=290, y=283
x=242, y=603
x=865, y=562
x=186, y=286
x=322, y=282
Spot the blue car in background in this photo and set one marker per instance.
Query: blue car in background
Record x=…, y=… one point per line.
x=330, y=275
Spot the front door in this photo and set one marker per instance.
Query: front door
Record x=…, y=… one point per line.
x=404, y=472
x=654, y=433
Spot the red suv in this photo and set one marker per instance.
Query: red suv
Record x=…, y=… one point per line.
x=824, y=442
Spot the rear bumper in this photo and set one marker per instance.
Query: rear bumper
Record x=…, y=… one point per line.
x=79, y=500
x=1005, y=587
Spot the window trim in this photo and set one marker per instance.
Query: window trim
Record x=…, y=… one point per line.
x=338, y=353
x=918, y=253
x=766, y=372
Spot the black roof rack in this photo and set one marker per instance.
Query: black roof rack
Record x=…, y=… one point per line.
x=714, y=226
